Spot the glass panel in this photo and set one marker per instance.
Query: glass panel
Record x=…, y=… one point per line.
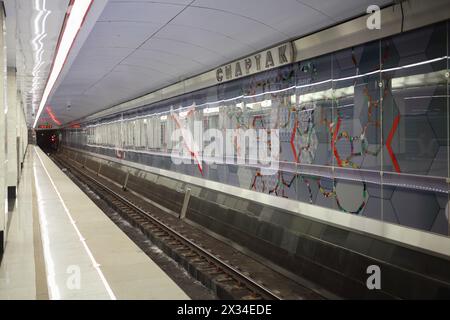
x=268, y=101
x=415, y=127
x=356, y=139
x=311, y=132
x=445, y=206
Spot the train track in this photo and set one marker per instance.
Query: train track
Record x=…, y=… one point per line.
x=224, y=279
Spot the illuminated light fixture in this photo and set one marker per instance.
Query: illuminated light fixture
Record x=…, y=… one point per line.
x=266, y=103
x=52, y=115
x=293, y=99
x=425, y=97
x=211, y=110
x=40, y=34
x=76, y=13
x=417, y=80
x=250, y=105
x=183, y=114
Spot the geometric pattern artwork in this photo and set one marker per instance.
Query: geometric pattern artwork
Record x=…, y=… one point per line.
x=419, y=211
x=381, y=209
x=377, y=111
x=441, y=222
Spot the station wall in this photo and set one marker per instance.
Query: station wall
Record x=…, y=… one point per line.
x=364, y=130
x=13, y=136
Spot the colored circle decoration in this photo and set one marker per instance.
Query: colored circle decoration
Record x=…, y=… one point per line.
x=351, y=197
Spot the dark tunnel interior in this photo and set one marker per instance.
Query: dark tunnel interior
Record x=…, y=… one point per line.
x=47, y=140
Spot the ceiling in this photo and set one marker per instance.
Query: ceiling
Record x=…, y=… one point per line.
x=136, y=47
x=32, y=31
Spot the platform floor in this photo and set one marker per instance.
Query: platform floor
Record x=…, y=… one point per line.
x=60, y=245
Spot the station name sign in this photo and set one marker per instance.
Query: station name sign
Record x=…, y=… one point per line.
x=262, y=61
x=45, y=126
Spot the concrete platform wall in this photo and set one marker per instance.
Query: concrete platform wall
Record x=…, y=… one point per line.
x=13, y=135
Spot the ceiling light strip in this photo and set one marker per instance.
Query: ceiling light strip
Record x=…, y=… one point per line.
x=39, y=27
x=76, y=15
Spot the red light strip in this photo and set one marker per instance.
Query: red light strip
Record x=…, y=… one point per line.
x=389, y=141
x=52, y=115
x=333, y=142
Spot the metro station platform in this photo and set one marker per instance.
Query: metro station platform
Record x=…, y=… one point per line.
x=60, y=245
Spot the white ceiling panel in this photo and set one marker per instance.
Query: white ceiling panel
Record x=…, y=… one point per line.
x=141, y=11
x=145, y=78
x=174, y=58
x=125, y=83
x=120, y=34
x=231, y=25
x=115, y=53
x=147, y=75
x=215, y=40
x=95, y=63
x=70, y=89
x=285, y=18
x=95, y=66
x=182, y=47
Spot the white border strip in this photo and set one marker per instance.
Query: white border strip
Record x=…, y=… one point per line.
x=411, y=237
x=82, y=239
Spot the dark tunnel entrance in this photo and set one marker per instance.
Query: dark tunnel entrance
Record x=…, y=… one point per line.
x=47, y=140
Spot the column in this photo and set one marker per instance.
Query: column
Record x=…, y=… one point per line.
x=3, y=106
x=11, y=124
x=22, y=132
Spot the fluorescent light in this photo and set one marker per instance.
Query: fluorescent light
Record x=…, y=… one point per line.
x=183, y=114
x=74, y=21
x=211, y=110
x=39, y=28
x=52, y=115
x=266, y=103
x=293, y=99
